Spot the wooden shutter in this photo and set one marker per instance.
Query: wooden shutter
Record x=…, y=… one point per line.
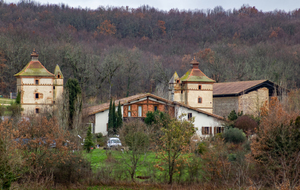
x=210, y=130
x=202, y=130
x=215, y=130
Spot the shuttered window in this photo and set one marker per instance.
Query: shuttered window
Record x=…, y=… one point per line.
x=206, y=130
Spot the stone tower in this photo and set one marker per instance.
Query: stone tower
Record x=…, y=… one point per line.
x=38, y=87
x=194, y=88
x=58, y=85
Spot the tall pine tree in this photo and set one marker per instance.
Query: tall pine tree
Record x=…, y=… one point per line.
x=114, y=117
x=110, y=124
x=119, y=117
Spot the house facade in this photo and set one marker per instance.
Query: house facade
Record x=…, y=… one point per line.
x=138, y=106
x=39, y=88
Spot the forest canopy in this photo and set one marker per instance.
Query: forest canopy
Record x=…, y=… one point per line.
x=117, y=51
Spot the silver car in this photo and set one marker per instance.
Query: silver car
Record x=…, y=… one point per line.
x=113, y=142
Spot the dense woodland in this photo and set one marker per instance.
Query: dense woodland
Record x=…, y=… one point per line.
x=120, y=51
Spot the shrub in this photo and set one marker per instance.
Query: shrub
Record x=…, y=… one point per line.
x=88, y=142
x=234, y=135
x=246, y=123
x=276, y=146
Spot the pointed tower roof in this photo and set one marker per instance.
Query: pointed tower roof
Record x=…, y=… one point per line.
x=174, y=77
x=34, y=68
x=57, y=71
x=195, y=74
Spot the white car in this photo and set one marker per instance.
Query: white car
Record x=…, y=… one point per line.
x=113, y=142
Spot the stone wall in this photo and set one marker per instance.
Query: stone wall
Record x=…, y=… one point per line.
x=251, y=102
x=224, y=105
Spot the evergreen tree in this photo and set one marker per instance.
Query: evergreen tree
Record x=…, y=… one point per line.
x=114, y=118
x=232, y=116
x=74, y=91
x=18, y=99
x=119, y=117
x=110, y=118
x=88, y=142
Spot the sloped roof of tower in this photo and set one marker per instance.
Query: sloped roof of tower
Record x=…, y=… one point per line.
x=195, y=74
x=34, y=68
x=174, y=77
x=58, y=71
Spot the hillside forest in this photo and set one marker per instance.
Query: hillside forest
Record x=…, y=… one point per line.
x=120, y=51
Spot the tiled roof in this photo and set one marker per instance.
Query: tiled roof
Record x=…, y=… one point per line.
x=195, y=74
x=105, y=106
x=34, y=68
x=234, y=88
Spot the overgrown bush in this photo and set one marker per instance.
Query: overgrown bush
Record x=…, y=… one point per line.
x=101, y=140
x=234, y=135
x=276, y=146
x=246, y=123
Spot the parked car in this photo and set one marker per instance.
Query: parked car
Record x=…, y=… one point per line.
x=113, y=142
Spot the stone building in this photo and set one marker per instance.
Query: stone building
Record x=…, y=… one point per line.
x=194, y=88
x=39, y=88
x=243, y=96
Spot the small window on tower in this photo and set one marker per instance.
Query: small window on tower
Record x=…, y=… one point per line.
x=199, y=87
x=199, y=100
x=181, y=91
x=53, y=87
x=58, y=76
x=177, y=81
x=37, y=110
x=36, y=95
x=36, y=81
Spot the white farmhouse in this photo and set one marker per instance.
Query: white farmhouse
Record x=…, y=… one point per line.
x=137, y=106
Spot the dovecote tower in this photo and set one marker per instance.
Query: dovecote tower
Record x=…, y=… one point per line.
x=36, y=85
x=194, y=88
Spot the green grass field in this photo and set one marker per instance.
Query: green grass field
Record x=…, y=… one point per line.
x=6, y=100
x=116, y=163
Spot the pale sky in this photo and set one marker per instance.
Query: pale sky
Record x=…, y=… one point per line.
x=264, y=5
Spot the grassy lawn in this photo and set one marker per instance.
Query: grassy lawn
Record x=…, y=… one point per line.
x=6, y=100
x=116, y=163
x=118, y=160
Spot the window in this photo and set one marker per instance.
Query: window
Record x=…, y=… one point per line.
x=37, y=110
x=199, y=87
x=140, y=112
x=199, y=100
x=129, y=111
x=38, y=95
x=37, y=81
x=155, y=108
x=206, y=131
x=177, y=81
x=53, y=87
x=218, y=130
x=181, y=91
x=58, y=76
x=190, y=116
